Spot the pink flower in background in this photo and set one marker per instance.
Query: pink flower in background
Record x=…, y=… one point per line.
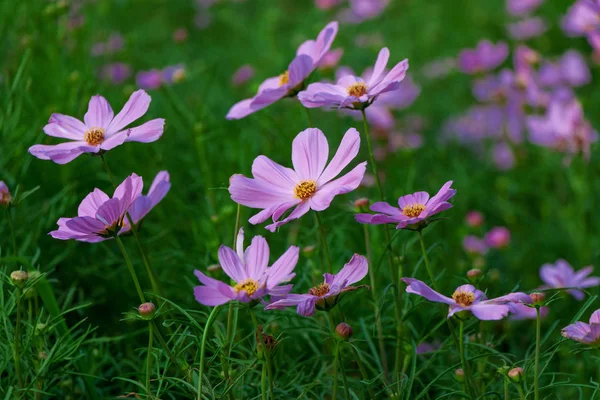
x=326, y=4
x=522, y=7
x=563, y=128
x=180, y=35
x=116, y=73
x=485, y=57
x=426, y=347
x=143, y=204
x=474, y=245
x=414, y=209
x=100, y=131
x=113, y=44
x=354, y=92
x=585, y=333
x=363, y=10
x=325, y=296
x=308, y=57
x=331, y=59
x=474, y=219
x=250, y=271
x=5, y=196
x=100, y=217
x=561, y=275
x=398, y=140
x=498, y=237
x=310, y=185
x=173, y=74
x=527, y=28
x=242, y=75
x=570, y=70
x=440, y=68
x=582, y=18
x=467, y=298
x=503, y=156
x=149, y=80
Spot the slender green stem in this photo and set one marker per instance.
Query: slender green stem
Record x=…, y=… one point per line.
x=463, y=359
x=331, y=325
x=17, y=347
x=263, y=382
x=253, y=317
x=344, y=379
x=138, y=288
x=426, y=260
x=536, y=376
x=335, y=369
x=371, y=154
x=310, y=124
x=363, y=371
x=107, y=169
x=506, y=389
x=324, y=240
x=209, y=321
x=269, y=361
x=165, y=347
x=12, y=230
x=521, y=392
x=399, y=356
x=149, y=361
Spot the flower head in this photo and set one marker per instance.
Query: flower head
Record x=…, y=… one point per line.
x=583, y=18
x=5, y=196
x=522, y=7
x=142, y=205
x=100, y=130
x=308, y=57
x=115, y=73
x=561, y=275
x=413, y=210
x=467, y=298
x=100, y=217
x=485, y=57
x=355, y=92
x=498, y=237
x=585, y=333
x=149, y=80
x=310, y=185
x=248, y=269
x=242, y=75
x=474, y=219
x=474, y=245
x=326, y=295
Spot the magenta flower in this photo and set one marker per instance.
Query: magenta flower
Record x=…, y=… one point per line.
x=363, y=10
x=522, y=7
x=354, y=92
x=5, y=196
x=310, y=185
x=173, y=74
x=561, y=275
x=326, y=4
x=142, y=205
x=115, y=73
x=100, y=217
x=326, y=295
x=100, y=131
x=467, y=298
x=485, y=57
x=527, y=28
x=498, y=237
x=474, y=245
x=253, y=278
x=331, y=59
x=288, y=84
x=583, y=18
x=149, y=80
x=474, y=219
x=242, y=75
x=414, y=209
x=585, y=333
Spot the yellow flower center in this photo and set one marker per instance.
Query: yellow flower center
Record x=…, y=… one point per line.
x=413, y=210
x=94, y=136
x=320, y=290
x=463, y=299
x=357, y=89
x=248, y=285
x=305, y=189
x=284, y=78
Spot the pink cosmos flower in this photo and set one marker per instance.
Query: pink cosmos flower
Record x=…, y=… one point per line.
x=242, y=75
x=503, y=156
x=149, y=80
x=561, y=275
x=522, y=7
x=474, y=245
x=180, y=35
x=173, y=74
x=331, y=59
x=486, y=56
x=100, y=131
x=326, y=295
x=142, y=205
x=288, y=84
x=467, y=298
x=253, y=278
x=354, y=92
x=310, y=185
x=5, y=196
x=583, y=18
x=414, y=209
x=326, y=4
x=100, y=217
x=585, y=333
x=363, y=10
x=527, y=28
x=498, y=237
x=474, y=219
x=116, y=73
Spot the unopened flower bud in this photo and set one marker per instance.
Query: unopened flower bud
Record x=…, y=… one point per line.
x=537, y=299
x=213, y=267
x=19, y=278
x=361, y=204
x=459, y=374
x=343, y=331
x=474, y=219
x=5, y=196
x=498, y=237
x=147, y=310
x=474, y=275
x=516, y=374
x=308, y=251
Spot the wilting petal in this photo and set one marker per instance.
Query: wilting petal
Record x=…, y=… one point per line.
x=281, y=270
x=309, y=153
x=231, y=264
x=257, y=257
x=347, y=151
x=355, y=270
x=135, y=108
x=418, y=287
x=147, y=132
x=99, y=114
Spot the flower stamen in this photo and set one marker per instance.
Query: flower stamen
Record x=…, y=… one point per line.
x=248, y=285
x=94, y=136
x=357, y=89
x=284, y=78
x=413, y=210
x=321, y=290
x=304, y=190
x=463, y=298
